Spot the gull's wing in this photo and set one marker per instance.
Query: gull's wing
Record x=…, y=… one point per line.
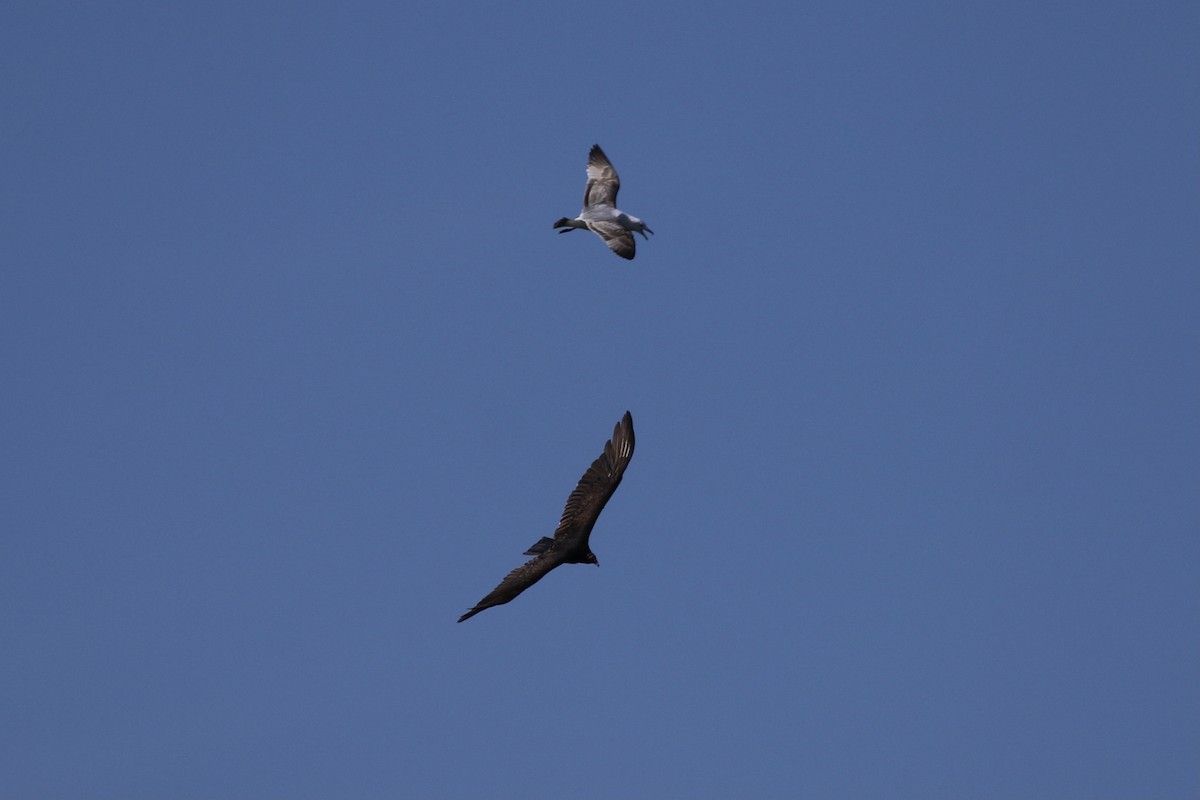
x=603, y=182
x=597, y=484
x=619, y=240
x=517, y=581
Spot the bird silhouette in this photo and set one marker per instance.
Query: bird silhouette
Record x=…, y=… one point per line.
x=570, y=542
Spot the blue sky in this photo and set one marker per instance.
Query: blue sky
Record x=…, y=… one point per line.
x=296, y=368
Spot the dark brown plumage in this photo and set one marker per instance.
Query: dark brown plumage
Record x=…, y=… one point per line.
x=570, y=542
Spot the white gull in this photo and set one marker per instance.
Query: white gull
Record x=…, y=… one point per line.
x=600, y=214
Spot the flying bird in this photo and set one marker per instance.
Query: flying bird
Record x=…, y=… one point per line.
x=600, y=214
x=570, y=542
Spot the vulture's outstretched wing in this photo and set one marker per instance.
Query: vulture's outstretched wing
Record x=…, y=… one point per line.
x=603, y=183
x=596, y=486
x=516, y=582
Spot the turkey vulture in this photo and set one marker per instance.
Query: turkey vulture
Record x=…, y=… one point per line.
x=570, y=542
x=600, y=214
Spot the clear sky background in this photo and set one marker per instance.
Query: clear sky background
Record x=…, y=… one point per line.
x=295, y=368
